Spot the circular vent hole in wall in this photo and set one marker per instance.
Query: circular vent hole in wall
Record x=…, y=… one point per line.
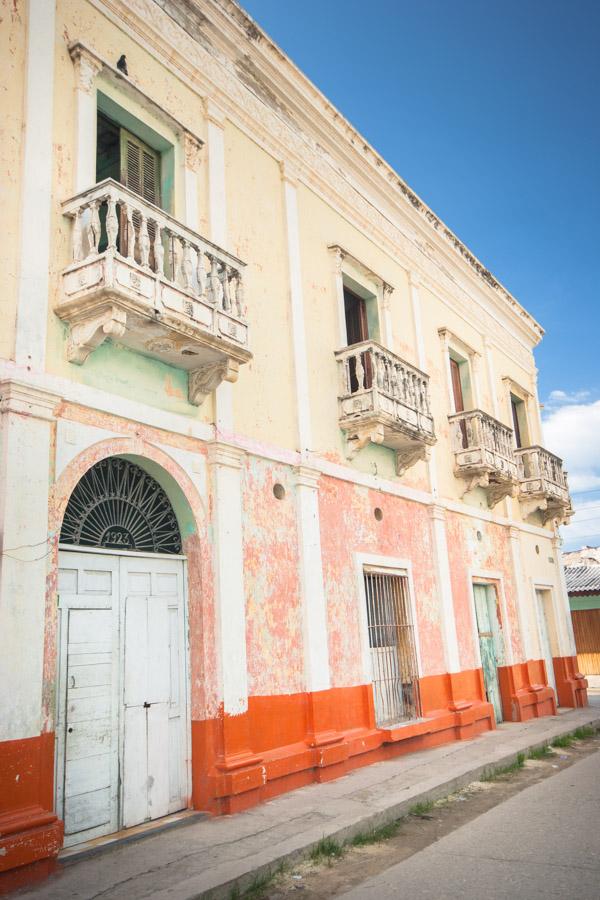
x=279, y=491
x=378, y=513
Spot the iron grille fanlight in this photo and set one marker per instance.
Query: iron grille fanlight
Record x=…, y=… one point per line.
x=117, y=505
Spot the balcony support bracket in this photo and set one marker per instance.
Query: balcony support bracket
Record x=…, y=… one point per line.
x=548, y=510
x=408, y=456
x=205, y=379
x=361, y=435
x=89, y=331
x=495, y=491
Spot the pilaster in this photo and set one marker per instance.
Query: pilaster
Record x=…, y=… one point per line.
x=444, y=588
x=290, y=197
x=36, y=187
x=521, y=601
x=26, y=417
x=192, y=156
x=225, y=464
x=316, y=649
x=87, y=67
x=217, y=216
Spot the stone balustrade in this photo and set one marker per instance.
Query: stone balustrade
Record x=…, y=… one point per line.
x=385, y=400
x=543, y=484
x=139, y=276
x=484, y=454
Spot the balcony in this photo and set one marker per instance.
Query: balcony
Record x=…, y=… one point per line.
x=384, y=400
x=543, y=485
x=145, y=280
x=484, y=454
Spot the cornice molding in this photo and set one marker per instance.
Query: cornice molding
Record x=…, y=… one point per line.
x=25, y=399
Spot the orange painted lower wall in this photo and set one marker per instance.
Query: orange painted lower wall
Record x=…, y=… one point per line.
x=525, y=691
x=288, y=741
x=281, y=743
x=29, y=830
x=571, y=685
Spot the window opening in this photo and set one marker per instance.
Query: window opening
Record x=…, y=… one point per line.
x=393, y=648
x=519, y=420
x=357, y=330
x=117, y=505
x=457, y=393
x=125, y=158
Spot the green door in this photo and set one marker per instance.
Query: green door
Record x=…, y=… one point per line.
x=489, y=643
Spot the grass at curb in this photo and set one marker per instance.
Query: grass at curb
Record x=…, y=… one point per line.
x=540, y=752
x=328, y=850
x=503, y=771
x=375, y=835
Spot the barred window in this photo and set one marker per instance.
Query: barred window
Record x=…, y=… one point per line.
x=393, y=649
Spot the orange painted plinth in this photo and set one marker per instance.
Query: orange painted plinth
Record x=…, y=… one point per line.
x=288, y=741
x=525, y=691
x=571, y=685
x=29, y=830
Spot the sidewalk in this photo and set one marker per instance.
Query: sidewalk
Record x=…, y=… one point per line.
x=207, y=858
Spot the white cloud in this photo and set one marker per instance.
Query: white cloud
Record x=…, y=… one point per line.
x=557, y=398
x=572, y=431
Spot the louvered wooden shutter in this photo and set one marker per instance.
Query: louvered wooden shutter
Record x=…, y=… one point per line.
x=140, y=168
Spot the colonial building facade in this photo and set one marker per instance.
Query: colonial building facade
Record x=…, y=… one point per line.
x=274, y=497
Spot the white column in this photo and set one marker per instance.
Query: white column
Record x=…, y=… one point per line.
x=491, y=376
x=562, y=609
x=475, y=359
x=415, y=300
x=444, y=588
x=217, y=215
x=87, y=68
x=535, y=413
x=316, y=647
x=290, y=195
x=386, y=309
x=26, y=416
x=445, y=340
x=225, y=463
x=192, y=151
x=36, y=187
x=522, y=597
x=338, y=259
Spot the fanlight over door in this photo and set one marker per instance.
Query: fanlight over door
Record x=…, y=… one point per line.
x=118, y=506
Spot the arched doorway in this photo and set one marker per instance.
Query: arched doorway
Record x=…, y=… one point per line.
x=122, y=697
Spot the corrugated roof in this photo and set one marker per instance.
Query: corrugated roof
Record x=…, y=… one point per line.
x=583, y=578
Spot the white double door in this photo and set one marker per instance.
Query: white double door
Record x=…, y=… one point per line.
x=122, y=736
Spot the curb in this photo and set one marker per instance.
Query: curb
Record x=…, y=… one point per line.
x=234, y=888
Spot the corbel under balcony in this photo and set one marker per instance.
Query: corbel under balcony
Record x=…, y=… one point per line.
x=543, y=485
x=384, y=400
x=145, y=280
x=484, y=455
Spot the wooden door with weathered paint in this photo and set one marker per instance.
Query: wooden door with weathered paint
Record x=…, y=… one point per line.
x=489, y=643
x=87, y=731
x=122, y=725
x=546, y=646
x=154, y=733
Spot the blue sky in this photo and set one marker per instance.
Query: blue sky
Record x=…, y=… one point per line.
x=491, y=112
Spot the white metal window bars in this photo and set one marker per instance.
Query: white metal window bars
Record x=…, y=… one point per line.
x=392, y=648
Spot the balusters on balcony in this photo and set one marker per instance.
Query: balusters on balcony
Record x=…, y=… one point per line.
x=111, y=219
x=369, y=366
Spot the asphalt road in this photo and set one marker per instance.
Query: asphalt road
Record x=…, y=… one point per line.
x=541, y=843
